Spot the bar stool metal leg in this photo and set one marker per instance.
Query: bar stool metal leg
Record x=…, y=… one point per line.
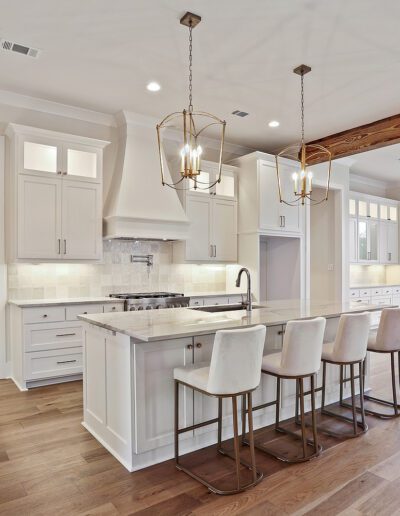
x=393, y=404
x=256, y=475
x=353, y=420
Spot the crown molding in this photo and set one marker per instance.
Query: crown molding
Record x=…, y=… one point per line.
x=368, y=181
x=56, y=108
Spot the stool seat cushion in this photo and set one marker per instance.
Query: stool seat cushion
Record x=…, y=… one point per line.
x=272, y=363
x=195, y=375
x=327, y=351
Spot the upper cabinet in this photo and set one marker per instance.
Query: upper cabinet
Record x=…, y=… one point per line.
x=213, y=218
x=259, y=207
x=373, y=229
x=54, y=195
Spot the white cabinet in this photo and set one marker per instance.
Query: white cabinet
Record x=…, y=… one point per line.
x=213, y=230
x=274, y=215
x=226, y=189
x=81, y=223
x=39, y=217
x=373, y=229
x=54, y=195
x=389, y=243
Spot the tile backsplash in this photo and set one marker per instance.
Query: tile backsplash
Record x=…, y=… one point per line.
x=115, y=274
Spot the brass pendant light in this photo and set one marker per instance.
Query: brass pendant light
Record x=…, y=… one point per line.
x=191, y=125
x=301, y=181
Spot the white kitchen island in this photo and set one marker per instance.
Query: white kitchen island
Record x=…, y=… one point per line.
x=129, y=359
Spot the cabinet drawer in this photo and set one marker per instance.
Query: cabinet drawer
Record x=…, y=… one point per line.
x=377, y=291
x=366, y=292
x=74, y=310
x=44, y=337
x=49, y=364
x=364, y=300
x=210, y=301
x=110, y=307
x=44, y=314
x=354, y=293
x=387, y=291
x=196, y=301
x=236, y=299
x=381, y=300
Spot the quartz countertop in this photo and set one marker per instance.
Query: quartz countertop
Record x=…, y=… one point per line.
x=378, y=285
x=165, y=324
x=216, y=293
x=25, y=303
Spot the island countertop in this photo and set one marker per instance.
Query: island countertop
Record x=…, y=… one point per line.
x=154, y=325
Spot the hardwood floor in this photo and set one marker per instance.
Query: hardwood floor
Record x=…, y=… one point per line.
x=49, y=465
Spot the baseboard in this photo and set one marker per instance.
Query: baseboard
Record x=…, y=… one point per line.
x=31, y=384
x=20, y=387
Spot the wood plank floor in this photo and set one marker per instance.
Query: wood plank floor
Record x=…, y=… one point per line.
x=49, y=465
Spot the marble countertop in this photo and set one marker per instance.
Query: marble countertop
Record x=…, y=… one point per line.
x=25, y=303
x=216, y=293
x=156, y=325
x=378, y=285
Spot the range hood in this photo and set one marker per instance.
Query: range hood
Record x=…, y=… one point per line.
x=138, y=206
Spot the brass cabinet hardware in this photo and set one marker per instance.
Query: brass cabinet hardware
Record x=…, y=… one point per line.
x=190, y=346
x=198, y=345
x=66, y=361
x=65, y=334
x=59, y=245
x=65, y=246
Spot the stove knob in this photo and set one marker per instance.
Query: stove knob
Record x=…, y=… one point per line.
x=158, y=307
x=140, y=307
x=149, y=307
x=132, y=309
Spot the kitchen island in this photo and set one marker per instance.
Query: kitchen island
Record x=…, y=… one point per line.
x=129, y=359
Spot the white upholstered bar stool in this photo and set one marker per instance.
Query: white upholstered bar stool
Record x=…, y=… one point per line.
x=300, y=358
x=386, y=340
x=235, y=370
x=348, y=349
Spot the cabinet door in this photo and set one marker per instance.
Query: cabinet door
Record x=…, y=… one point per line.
x=392, y=243
x=290, y=214
x=154, y=392
x=353, y=240
x=198, y=210
x=40, y=156
x=268, y=197
x=39, y=217
x=82, y=162
x=373, y=242
x=383, y=243
x=224, y=230
x=362, y=232
x=81, y=220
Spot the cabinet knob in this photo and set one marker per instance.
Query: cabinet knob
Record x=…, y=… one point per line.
x=45, y=315
x=190, y=346
x=198, y=345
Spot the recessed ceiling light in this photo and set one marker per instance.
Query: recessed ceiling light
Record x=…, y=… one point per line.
x=274, y=123
x=153, y=86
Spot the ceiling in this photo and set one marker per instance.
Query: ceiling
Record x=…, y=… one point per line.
x=100, y=55
x=382, y=164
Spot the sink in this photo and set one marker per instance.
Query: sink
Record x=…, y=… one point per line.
x=222, y=308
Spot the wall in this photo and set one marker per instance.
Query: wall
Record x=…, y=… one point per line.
x=115, y=274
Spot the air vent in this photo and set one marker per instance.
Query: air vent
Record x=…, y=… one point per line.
x=6, y=44
x=239, y=113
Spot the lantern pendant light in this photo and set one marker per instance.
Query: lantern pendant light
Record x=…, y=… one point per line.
x=301, y=191
x=191, y=126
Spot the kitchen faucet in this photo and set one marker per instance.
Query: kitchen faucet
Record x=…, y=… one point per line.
x=248, y=301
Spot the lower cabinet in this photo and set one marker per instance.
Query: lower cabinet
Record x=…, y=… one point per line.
x=46, y=341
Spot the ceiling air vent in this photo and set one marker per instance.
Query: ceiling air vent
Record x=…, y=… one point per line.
x=239, y=113
x=6, y=44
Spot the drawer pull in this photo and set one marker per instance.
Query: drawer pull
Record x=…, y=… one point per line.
x=190, y=346
x=66, y=361
x=281, y=332
x=65, y=334
x=44, y=315
x=198, y=345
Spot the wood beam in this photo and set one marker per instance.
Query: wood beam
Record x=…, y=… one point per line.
x=359, y=139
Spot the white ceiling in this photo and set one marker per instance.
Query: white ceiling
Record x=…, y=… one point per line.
x=100, y=54
x=383, y=164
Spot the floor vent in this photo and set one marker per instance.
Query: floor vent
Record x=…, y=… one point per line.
x=6, y=44
x=239, y=113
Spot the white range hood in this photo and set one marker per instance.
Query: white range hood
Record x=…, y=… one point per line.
x=138, y=205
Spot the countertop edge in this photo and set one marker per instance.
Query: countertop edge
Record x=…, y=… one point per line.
x=60, y=302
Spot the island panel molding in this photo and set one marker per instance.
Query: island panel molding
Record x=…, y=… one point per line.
x=359, y=139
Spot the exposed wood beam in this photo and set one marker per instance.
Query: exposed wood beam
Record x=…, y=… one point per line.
x=359, y=139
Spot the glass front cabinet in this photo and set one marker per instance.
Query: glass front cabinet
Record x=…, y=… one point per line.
x=373, y=229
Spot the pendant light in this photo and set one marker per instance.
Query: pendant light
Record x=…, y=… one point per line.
x=298, y=188
x=190, y=125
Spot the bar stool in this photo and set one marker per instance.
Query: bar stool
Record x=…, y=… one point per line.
x=386, y=340
x=300, y=358
x=348, y=348
x=235, y=370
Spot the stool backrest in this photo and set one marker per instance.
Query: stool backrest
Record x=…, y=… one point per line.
x=388, y=336
x=351, y=337
x=236, y=360
x=302, y=346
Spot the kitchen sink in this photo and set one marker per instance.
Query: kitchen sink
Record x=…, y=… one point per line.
x=222, y=308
